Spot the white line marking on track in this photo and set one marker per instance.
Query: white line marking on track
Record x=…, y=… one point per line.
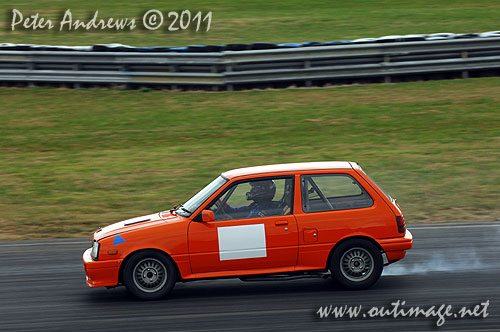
x=493, y=224
x=42, y=244
x=453, y=226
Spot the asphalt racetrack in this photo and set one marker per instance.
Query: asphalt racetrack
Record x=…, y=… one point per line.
x=42, y=288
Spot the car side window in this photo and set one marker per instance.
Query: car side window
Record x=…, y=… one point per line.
x=254, y=199
x=329, y=192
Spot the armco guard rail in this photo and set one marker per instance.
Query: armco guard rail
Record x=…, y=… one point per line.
x=303, y=66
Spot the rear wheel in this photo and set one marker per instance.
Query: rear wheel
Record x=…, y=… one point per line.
x=149, y=275
x=356, y=264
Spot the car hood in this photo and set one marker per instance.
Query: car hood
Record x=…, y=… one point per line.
x=146, y=221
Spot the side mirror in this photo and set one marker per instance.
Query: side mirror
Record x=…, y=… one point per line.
x=207, y=216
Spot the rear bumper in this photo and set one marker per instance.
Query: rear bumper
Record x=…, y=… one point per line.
x=395, y=248
x=398, y=243
x=100, y=273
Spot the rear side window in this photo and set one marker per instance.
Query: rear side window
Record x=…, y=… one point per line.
x=330, y=192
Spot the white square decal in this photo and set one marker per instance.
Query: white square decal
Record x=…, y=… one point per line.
x=239, y=242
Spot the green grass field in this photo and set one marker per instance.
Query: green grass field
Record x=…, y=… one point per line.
x=259, y=20
x=73, y=160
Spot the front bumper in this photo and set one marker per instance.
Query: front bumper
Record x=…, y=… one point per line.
x=100, y=273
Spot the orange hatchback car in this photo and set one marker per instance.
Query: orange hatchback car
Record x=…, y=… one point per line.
x=258, y=223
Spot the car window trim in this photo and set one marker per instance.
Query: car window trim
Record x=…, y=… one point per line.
x=235, y=183
x=305, y=177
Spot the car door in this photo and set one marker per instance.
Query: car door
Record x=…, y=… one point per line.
x=246, y=235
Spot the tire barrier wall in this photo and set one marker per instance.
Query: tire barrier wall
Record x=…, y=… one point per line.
x=245, y=66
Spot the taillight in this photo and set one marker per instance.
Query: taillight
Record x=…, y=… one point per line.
x=400, y=220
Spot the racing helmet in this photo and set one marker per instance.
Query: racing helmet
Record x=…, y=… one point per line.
x=261, y=191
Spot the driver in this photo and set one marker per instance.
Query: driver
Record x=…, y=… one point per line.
x=262, y=194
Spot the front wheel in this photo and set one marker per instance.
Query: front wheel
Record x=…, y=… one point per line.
x=149, y=275
x=356, y=264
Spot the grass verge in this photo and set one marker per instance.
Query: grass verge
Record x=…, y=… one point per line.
x=73, y=160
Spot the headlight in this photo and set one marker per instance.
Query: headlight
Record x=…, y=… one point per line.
x=95, y=250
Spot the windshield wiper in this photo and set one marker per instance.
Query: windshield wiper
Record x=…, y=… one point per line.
x=184, y=209
x=179, y=206
x=174, y=208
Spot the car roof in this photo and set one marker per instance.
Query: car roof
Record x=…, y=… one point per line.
x=292, y=167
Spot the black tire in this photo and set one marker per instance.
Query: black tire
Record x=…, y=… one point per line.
x=356, y=264
x=149, y=275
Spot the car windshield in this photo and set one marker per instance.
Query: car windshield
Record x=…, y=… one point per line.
x=194, y=202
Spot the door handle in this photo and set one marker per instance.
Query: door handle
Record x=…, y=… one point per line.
x=281, y=222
